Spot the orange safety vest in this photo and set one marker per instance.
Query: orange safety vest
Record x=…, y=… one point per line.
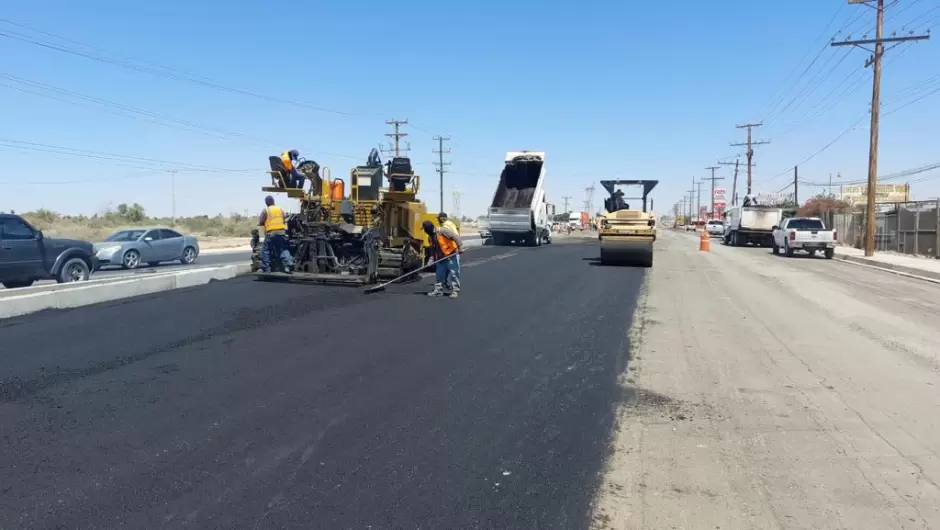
x=274, y=220
x=285, y=159
x=447, y=245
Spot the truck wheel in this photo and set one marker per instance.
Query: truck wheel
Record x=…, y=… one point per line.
x=829, y=253
x=775, y=249
x=787, y=250
x=17, y=284
x=74, y=270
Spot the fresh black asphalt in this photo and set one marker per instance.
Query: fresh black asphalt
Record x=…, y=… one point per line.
x=243, y=405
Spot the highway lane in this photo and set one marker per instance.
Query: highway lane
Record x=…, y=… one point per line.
x=241, y=404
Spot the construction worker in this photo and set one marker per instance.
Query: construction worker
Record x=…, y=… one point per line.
x=275, y=236
x=445, y=246
x=296, y=178
x=445, y=221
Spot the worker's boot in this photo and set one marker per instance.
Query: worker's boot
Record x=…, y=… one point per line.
x=437, y=291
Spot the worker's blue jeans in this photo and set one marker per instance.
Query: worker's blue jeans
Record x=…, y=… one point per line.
x=444, y=269
x=275, y=243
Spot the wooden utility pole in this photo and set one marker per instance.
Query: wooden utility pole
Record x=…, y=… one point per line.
x=875, y=61
x=691, y=199
x=713, y=178
x=796, y=186
x=441, y=165
x=734, y=182
x=750, y=149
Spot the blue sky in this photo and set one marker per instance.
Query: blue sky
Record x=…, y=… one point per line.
x=607, y=89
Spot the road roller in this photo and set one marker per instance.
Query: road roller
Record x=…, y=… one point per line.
x=627, y=234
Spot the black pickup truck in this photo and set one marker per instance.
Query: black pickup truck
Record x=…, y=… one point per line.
x=26, y=255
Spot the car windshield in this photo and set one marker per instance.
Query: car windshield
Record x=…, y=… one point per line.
x=805, y=224
x=125, y=235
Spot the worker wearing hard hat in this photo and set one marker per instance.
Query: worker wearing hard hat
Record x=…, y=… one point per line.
x=275, y=236
x=289, y=160
x=445, y=247
x=446, y=222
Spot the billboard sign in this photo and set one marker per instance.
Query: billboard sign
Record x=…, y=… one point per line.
x=884, y=193
x=719, y=194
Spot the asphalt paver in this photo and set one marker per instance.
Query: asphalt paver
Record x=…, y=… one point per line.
x=243, y=404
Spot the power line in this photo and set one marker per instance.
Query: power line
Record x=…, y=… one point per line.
x=159, y=70
x=879, y=42
x=713, y=178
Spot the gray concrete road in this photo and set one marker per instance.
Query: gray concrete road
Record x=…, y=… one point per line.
x=767, y=392
x=248, y=405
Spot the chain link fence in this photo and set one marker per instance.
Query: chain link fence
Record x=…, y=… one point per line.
x=905, y=227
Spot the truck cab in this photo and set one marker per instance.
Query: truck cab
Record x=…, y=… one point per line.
x=27, y=256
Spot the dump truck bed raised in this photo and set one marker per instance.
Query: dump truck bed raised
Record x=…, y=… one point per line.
x=518, y=211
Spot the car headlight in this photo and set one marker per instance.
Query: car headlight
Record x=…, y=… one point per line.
x=109, y=250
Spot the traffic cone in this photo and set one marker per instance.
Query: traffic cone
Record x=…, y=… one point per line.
x=704, y=243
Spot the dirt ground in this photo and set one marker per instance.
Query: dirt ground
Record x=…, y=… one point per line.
x=767, y=392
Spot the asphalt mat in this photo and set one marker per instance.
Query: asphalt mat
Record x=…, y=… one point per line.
x=245, y=404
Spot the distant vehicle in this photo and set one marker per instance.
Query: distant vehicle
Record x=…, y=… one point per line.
x=483, y=225
x=808, y=234
x=715, y=227
x=129, y=248
x=26, y=255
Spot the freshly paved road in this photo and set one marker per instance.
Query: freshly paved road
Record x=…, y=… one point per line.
x=247, y=405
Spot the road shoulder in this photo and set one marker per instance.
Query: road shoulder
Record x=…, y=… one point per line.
x=749, y=404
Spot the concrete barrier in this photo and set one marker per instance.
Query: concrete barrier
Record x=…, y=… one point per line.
x=87, y=293
x=64, y=296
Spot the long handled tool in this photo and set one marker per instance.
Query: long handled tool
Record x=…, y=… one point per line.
x=381, y=287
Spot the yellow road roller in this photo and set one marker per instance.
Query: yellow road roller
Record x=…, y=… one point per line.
x=627, y=234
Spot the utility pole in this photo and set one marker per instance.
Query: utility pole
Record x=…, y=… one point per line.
x=589, y=200
x=875, y=61
x=441, y=165
x=713, y=178
x=750, y=148
x=698, y=202
x=456, y=195
x=796, y=186
x=691, y=199
x=566, y=199
x=397, y=135
x=173, y=173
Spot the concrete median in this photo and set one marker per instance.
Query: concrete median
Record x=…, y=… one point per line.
x=88, y=293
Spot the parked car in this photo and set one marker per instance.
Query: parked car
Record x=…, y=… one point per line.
x=26, y=255
x=804, y=233
x=129, y=248
x=715, y=227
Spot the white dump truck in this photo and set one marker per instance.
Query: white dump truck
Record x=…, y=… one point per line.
x=519, y=212
x=751, y=225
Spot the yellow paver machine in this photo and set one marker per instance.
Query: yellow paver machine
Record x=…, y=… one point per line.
x=627, y=234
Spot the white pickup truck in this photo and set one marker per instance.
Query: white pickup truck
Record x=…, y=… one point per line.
x=808, y=234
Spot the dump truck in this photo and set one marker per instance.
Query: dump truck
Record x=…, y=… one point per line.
x=519, y=212
x=751, y=225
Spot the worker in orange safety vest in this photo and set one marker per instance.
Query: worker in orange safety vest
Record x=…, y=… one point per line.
x=446, y=245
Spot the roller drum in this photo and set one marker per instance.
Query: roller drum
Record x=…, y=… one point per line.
x=627, y=253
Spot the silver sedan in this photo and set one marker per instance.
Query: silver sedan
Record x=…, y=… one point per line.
x=132, y=247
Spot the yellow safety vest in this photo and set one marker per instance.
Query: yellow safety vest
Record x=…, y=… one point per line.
x=274, y=220
x=450, y=224
x=285, y=159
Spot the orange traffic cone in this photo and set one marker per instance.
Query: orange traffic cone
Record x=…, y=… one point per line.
x=704, y=243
